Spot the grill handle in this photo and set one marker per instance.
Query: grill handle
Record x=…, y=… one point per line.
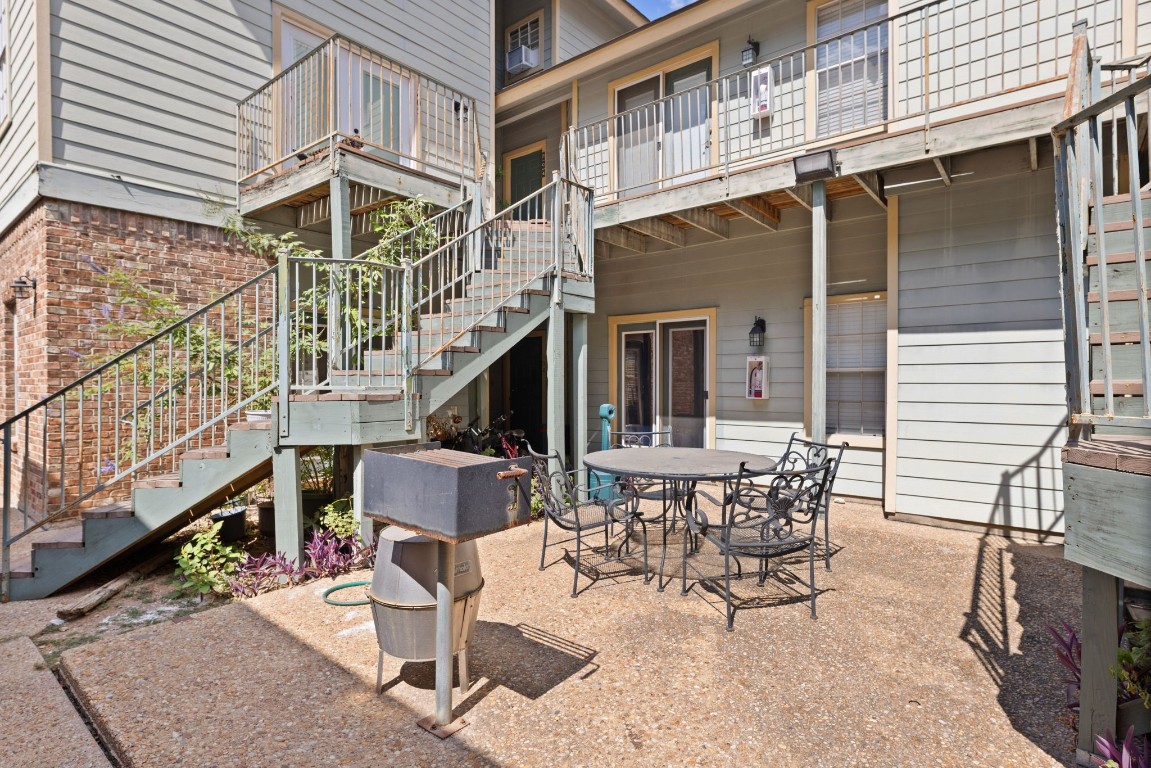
x=511, y=472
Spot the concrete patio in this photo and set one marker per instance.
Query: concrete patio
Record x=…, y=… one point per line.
x=929, y=649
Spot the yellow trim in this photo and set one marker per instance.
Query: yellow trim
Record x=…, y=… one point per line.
x=508, y=42
x=891, y=413
x=1129, y=29
x=708, y=314
x=279, y=16
x=538, y=146
x=856, y=441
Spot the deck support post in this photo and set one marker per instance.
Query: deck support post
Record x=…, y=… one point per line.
x=579, y=389
x=557, y=390
x=1102, y=613
x=818, y=311
x=289, y=501
x=363, y=524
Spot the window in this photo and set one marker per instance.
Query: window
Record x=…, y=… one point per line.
x=856, y=364
x=526, y=34
x=850, y=65
x=3, y=65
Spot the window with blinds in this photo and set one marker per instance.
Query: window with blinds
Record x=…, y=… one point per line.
x=856, y=366
x=526, y=35
x=850, y=65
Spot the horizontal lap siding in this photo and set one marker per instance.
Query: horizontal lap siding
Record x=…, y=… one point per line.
x=149, y=89
x=583, y=27
x=981, y=370
x=751, y=274
x=18, y=144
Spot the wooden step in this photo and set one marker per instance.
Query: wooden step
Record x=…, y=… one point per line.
x=71, y=537
x=108, y=511
x=241, y=425
x=21, y=566
x=200, y=454
x=465, y=350
x=171, y=480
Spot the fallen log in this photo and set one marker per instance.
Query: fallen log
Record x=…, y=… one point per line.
x=100, y=595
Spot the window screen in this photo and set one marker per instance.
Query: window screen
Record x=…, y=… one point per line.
x=856, y=366
x=526, y=35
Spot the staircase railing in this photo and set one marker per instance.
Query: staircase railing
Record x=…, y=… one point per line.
x=128, y=417
x=1101, y=161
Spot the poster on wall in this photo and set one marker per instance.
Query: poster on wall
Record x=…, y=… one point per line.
x=756, y=379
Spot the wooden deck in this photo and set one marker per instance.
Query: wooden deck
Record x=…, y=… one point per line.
x=1124, y=454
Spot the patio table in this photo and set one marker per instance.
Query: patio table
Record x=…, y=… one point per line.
x=679, y=469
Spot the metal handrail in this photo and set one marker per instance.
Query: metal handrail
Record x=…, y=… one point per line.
x=1089, y=177
x=717, y=127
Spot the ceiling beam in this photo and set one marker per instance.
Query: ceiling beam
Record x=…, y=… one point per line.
x=622, y=238
x=943, y=173
x=869, y=180
x=801, y=195
x=660, y=230
x=762, y=213
x=701, y=218
x=363, y=199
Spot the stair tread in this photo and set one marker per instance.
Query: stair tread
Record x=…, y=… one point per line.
x=243, y=425
x=62, y=538
x=108, y=511
x=214, y=452
x=167, y=480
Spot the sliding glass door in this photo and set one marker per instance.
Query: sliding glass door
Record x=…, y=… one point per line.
x=663, y=381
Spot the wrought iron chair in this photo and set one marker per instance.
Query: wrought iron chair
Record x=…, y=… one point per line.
x=762, y=522
x=579, y=509
x=802, y=454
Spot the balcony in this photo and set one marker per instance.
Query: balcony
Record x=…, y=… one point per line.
x=348, y=100
x=932, y=65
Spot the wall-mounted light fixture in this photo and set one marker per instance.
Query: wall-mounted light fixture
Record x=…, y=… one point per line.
x=815, y=166
x=24, y=287
x=755, y=335
x=749, y=54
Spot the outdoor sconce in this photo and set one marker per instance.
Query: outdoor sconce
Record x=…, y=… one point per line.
x=755, y=335
x=749, y=54
x=815, y=166
x=23, y=287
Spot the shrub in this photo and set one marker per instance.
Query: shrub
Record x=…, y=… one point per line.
x=204, y=564
x=338, y=518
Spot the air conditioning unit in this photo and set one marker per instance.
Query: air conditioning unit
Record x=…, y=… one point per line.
x=521, y=59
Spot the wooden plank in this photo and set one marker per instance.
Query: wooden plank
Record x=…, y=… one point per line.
x=701, y=218
x=660, y=230
x=1118, y=387
x=623, y=238
x=1100, y=638
x=944, y=173
x=801, y=195
x=763, y=214
x=869, y=181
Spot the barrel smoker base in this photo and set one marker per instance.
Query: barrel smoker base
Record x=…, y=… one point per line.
x=442, y=731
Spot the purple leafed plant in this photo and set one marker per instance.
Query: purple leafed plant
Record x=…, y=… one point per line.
x=327, y=554
x=1069, y=649
x=264, y=573
x=1132, y=753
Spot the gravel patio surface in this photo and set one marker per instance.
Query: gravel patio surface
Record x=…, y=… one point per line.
x=929, y=650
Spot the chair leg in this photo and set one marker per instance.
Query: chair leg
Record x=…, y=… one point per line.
x=544, y=549
x=727, y=590
x=811, y=575
x=683, y=564
x=575, y=578
x=826, y=540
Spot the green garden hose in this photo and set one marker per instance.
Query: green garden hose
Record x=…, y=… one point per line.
x=330, y=590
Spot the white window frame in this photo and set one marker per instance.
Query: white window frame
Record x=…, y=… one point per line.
x=881, y=52
x=538, y=19
x=857, y=439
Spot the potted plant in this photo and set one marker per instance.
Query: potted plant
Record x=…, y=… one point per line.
x=232, y=518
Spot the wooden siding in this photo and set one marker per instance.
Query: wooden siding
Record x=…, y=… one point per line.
x=18, y=148
x=543, y=126
x=583, y=26
x=511, y=12
x=981, y=396
x=148, y=90
x=753, y=273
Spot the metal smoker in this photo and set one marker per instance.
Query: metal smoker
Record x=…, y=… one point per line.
x=450, y=498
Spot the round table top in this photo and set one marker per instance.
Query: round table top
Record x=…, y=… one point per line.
x=677, y=463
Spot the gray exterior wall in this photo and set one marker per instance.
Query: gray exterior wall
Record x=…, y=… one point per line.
x=753, y=273
x=147, y=90
x=508, y=13
x=981, y=373
x=583, y=26
x=18, y=144
x=542, y=126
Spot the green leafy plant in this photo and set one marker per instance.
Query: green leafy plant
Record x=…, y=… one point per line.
x=1133, y=662
x=204, y=564
x=338, y=518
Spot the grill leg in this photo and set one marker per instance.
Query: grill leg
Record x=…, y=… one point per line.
x=380, y=672
x=465, y=681
x=445, y=584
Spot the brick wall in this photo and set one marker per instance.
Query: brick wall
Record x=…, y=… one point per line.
x=64, y=246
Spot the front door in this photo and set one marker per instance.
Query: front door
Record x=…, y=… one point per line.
x=687, y=122
x=525, y=175
x=663, y=379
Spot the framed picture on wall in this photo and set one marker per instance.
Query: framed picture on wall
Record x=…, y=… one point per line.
x=756, y=378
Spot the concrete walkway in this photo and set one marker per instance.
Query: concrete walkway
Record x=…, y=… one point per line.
x=930, y=649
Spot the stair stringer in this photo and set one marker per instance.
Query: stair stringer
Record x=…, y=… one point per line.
x=157, y=513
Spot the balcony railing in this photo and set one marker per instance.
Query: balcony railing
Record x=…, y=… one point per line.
x=343, y=94
x=920, y=66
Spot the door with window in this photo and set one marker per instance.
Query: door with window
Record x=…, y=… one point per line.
x=663, y=381
x=376, y=104
x=523, y=175
x=303, y=93
x=851, y=62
